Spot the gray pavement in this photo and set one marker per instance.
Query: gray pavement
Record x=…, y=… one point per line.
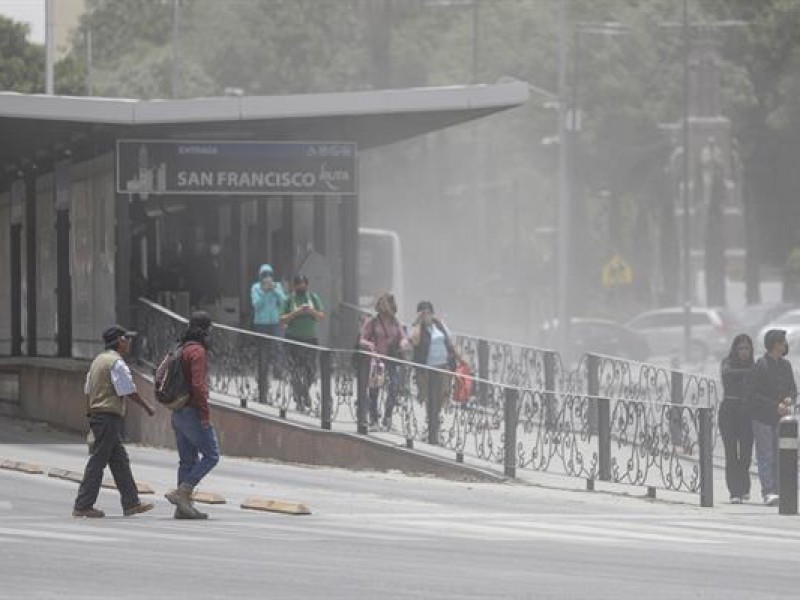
x=375, y=535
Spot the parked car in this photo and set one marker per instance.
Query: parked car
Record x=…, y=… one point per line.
x=754, y=317
x=788, y=321
x=599, y=336
x=712, y=331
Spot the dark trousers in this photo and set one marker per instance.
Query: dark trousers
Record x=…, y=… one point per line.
x=302, y=370
x=736, y=429
x=433, y=388
x=392, y=373
x=107, y=450
x=270, y=354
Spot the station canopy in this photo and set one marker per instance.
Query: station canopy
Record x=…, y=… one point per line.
x=36, y=127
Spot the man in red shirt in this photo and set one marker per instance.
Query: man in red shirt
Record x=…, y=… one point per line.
x=198, y=448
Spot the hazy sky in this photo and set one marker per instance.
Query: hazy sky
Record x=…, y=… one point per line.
x=26, y=11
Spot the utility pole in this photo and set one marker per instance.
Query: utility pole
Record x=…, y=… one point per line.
x=687, y=243
x=49, y=88
x=475, y=41
x=176, y=15
x=686, y=155
x=564, y=190
x=89, y=60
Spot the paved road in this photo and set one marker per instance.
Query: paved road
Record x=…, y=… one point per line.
x=375, y=535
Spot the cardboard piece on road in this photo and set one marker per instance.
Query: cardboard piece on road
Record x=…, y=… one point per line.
x=279, y=506
x=64, y=474
x=142, y=488
x=22, y=467
x=209, y=498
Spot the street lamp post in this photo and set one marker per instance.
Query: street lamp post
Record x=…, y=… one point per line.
x=564, y=191
x=687, y=267
x=570, y=126
x=49, y=49
x=176, y=72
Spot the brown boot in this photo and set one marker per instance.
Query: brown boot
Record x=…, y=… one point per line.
x=192, y=513
x=181, y=496
x=137, y=509
x=90, y=513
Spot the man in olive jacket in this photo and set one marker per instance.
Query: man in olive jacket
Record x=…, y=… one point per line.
x=108, y=385
x=771, y=391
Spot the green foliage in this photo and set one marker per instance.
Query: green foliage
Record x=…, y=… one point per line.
x=21, y=63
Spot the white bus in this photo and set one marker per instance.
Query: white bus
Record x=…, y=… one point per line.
x=380, y=267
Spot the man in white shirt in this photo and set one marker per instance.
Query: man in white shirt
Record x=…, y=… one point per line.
x=108, y=385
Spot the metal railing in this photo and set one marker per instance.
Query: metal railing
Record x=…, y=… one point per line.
x=530, y=366
x=603, y=419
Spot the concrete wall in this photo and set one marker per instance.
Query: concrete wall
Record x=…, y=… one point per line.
x=51, y=390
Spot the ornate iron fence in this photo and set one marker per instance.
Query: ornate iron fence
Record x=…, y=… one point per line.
x=599, y=419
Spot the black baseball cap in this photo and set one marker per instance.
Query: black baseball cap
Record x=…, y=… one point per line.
x=200, y=319
x=425, y=305
x=113, y=333
x=298, y=279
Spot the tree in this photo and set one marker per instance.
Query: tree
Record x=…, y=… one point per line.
x=21, y=63
x=765, y=114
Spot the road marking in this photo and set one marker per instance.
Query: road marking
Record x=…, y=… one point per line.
x=748, y=531
x=54, y=535
x=148, y=532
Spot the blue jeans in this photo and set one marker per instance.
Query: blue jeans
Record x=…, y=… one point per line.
x=193, y=439
x=766, y=438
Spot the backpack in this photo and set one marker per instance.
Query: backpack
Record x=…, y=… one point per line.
x=171, y=386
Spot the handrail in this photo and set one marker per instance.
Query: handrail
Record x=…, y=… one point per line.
x=586, y=429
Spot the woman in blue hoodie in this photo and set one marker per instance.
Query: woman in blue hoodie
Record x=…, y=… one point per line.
x=267, y=298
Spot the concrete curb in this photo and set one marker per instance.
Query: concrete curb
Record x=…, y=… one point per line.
x=209, y=498
x=22, y=467
x=66, y=475
x=75, y=476
x=142, y=488
x=278, y=506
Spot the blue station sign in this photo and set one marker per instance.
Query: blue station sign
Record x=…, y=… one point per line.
x=246, y=168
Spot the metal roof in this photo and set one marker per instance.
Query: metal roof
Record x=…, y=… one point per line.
x=35, y=126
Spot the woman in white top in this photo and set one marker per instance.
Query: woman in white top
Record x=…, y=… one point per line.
x=433, y=348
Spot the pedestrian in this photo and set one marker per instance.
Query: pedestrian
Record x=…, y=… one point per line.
x=108, y=387
x=735, y=425
x=195, y=437
x=384, y=334
x=771, y=391
x=301, y=312
x=267, y=298
x=433, y=348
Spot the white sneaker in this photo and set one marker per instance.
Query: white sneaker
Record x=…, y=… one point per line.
x=772, y=499
x=746, y=498
x=736, y=500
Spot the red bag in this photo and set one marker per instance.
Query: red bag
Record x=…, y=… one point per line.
x=463, y=387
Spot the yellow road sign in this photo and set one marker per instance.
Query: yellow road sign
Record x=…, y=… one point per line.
x=617, y=272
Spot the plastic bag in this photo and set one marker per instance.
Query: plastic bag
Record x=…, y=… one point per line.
x=377, y=373
x=462, y=390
